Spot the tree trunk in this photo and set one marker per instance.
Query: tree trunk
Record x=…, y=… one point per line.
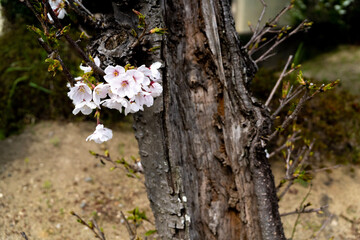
x=200, y=144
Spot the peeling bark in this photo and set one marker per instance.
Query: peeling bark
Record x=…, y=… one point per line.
x=206, y=172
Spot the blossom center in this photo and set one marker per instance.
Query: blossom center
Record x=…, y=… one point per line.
x=124, y=83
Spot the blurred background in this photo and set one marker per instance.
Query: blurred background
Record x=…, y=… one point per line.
x=31, y=98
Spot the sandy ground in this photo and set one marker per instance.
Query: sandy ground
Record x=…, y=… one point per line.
x=46, y=172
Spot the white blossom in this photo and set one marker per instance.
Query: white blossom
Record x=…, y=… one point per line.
x=138, y=76
x=143, y=98
x=101, y=134
x=80, y=92
x=153, y=72
x=132, y=107
x=125, y=86
x=113, y=73
x=85, y=107
x=115, y=102
x=155, y=89
x=128, y=90
x=100, y=91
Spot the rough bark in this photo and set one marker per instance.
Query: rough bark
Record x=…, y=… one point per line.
x=206, y=172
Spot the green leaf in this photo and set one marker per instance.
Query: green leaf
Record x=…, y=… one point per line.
x=45, y=90
x=141, y=17
x=300, y=78
x=301, y=182
x=65, y=29
x=285, y=89
x=150, y=232
x=159, y=31
x=154, y=48
x=54, y=65
x=37, y=31
x=93, y=153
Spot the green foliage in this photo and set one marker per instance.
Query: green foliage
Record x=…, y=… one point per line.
x=137, y=217
x=141, y=17
x=150, y=232
x=331, y=11
x=335, y=21
x=332, y=118
x=15, y=11
x=28, y=91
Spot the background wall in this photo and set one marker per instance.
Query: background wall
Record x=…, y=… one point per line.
x=250, y=10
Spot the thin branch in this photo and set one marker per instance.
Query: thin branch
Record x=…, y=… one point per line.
x=98, y=234
x=292, y=138
x=44, y=26
x=73, y=3
x=326, y=222
x=324, y=169
x=278, y=81
x=100, y=231
x=268, y=56
x=288, y=156
x=266, y=28
x=143, y=34
x=291, y=182
x=23, y=234
x=290, y=171
x=288, y=99
x=304, y=210
x=72, y=43
x=261, y=16
x=265, y=55
x=302, y=207
x=349, y=220
x=128, y=227
x=49, y=50
x=292, y=116
x=254, y=50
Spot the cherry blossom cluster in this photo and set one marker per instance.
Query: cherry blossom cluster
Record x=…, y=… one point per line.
x=127, y=90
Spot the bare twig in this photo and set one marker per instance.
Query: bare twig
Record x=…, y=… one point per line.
x=281, y=195
x=128, y=227
x=292, y=138
x=99, y=233
x=23, y=234
x=258, y=35
x=261, y=17
x=30, y=6
x=72, y=43
x=130, y=168
x=292, y=116
x=288, y=156
x=73, y=3
x=301, y=207
x=324, y=169
x=304, y=210
x=288, y=99
x=50, y=51
x=279, y=41
x=278, y=81
x=291, y=169
x=326, y=222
